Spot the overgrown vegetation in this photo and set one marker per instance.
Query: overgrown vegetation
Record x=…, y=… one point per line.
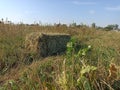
x=91, y=61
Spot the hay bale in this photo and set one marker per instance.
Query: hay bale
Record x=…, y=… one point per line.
x=46, y=44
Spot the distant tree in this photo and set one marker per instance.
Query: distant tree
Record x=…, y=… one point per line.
x=73, y=24
x=57, y=25
x=2, y=20
x=78, y=25
x=112, y=27
x=93, y=25
x=116, y=26
x=83, y=25
x=109, y=27
x=98, y=27
x=64, y=25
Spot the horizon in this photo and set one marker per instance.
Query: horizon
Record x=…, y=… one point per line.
x=102, y=12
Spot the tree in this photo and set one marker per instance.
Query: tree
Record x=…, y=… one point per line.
x=2, y=20
x=112, y=27
x=93, y=25
x=116, y=26
x=73, y=24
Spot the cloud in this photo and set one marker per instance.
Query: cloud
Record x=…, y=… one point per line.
x=83, y=3
x=117, y=8
x=92, y=12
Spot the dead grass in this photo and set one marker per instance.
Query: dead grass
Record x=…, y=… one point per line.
x=105, y=50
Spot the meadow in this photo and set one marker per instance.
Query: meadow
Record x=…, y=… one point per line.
x=91, y=61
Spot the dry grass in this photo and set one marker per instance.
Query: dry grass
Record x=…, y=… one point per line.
x=44, y=72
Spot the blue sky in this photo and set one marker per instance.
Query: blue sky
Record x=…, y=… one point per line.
x=102, y=12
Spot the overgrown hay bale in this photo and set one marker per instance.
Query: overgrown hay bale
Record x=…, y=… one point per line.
x=46, y=44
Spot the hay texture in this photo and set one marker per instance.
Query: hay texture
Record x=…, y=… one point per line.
x=46, y=44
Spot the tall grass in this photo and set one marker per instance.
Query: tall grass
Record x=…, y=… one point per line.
x=85, y=66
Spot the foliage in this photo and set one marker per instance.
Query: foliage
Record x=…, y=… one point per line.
x=93, y=25
x=112, y=27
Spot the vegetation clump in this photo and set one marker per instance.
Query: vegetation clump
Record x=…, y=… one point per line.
x=46, y=44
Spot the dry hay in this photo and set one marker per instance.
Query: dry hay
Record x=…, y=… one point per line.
x=46, y=44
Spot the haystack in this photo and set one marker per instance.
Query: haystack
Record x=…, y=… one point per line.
x=46, y=44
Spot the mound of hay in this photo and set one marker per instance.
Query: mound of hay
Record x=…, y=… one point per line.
x=46, y=44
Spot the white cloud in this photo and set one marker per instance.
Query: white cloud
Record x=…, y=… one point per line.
x=117, y=8
x=92, y=12
x=83, y=3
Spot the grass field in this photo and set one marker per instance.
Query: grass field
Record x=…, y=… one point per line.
x=91, y=61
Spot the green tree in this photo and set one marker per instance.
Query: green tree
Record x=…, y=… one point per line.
x=116, y=26
x=93, y=25
x=112, y=27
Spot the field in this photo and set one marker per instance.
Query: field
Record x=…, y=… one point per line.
x=91, y=61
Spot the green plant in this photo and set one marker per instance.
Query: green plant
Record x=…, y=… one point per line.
x=84, y=81
x=73, y=74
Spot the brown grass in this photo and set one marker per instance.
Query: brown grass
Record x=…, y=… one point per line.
x=105, y=49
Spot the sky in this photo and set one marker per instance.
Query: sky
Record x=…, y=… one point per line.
x=101, y=12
